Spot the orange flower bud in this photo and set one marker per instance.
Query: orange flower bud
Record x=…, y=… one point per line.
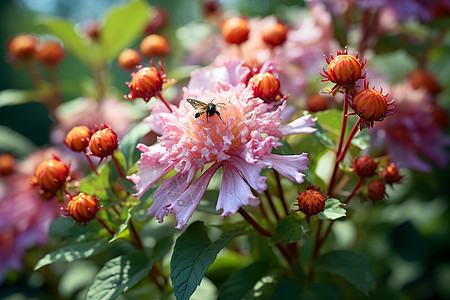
x=235, y=30
x=50, y=175
x=365, y=166
x=275, y=34
x=424, y=79
x=370, y=105
x=77, y=139
x=6, y=164
x=83, y=208
x=344, y=69
x=22, y=47
x=390, y=173
x=317, y=103
x=103, y=142
x=50, y=53
x=146, y=83
x=265, y=86
x=376, y=190
x=311, y=202
x=129, y=59
x=154, y=45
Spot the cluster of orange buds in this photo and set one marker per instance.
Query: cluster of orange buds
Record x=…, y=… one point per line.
x=344, y=71
x=27, y=47
x=146, y=83
x=82, y=208
x=311, y=201
x=266, y=86
x=50, y=176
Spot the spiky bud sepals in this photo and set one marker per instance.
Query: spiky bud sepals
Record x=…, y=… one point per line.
x=77, y=139
x=371, y=105
x=82, y=208
x=103, y=142
x=266, y=86
x=50, y=176
x=365, y=166
x=235, y=30
x=146, y=83
x=376, y=190
x=311, y=201
x=344, y=71
x=391, y=174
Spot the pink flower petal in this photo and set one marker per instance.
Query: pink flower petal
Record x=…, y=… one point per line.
x=251, y=173
x=183, y=207
x=234, y=192
x=150, y=169
x=288, y=165
x=301, y=125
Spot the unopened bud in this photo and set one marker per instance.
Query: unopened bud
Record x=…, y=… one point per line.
x=103, y=142
x=83, y=208
x=235, y=30
x=77, y=139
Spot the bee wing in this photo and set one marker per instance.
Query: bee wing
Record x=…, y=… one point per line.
x=197, y=104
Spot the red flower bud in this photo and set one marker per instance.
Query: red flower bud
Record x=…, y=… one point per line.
x=365, y=166
x=103, y=142
x=265, y=86
x=311, y=202
x=77, y=139
x=390, y=173
x=370, y=105
x=50, y=175
x=82, y=208
x=424, y=79
x=235, y=30
x=275, y=34
x=154, y=45
x=146, y=83
x=50, y=53
x=376, y=190
x=317, y=103
x=128, y=59
x=22, y=47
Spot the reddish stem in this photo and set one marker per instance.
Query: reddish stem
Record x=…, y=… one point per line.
x=272, y=206
x=136, y=236
x=253, y=222
x=164, y=101
x=91, y=164
x=104, y=225
x=116, y=163
x=344, y=124
x=280, y=192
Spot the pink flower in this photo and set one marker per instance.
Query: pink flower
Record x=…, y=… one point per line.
x=412, y=138
x=242, y=147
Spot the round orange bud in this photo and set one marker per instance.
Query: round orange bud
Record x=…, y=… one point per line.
x=424, y=79
x=311, y=202
x=6, y=164
x=83, y=208
x=317, y=103
x=370, y=105
x=390, y=173
x=129, y=59
x=154, y=45
x=22, y=47
x=265, y=86
x=103, y=142
x=146, y=83
x=50, y=175
x=77, y=139
x=275, y=34
x=365, y=166
x=376, y=190
x=235, y=30
x=344, y=69
x=50, y=53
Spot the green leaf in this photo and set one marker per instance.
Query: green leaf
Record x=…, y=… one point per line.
x=322, y=137
x=290, y=229
x=351, y=266
x=73, y=251
x=241, y=282
x=15, y=143
x=119, y=275
x=125, y=216
x=16, y=97
x=128, y=144
x=75, y=44
x=289, y=289
x=99, y=185
x=333, y=210
x=123, y=24
x=193, y=254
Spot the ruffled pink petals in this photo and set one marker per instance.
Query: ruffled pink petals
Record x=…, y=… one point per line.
x=251, y=173
x=150, y=169
x=301, y=125
x=289, y=166
x=234, y=191
x=184, y=205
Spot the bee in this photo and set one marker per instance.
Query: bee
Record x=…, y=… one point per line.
x=209, y=108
